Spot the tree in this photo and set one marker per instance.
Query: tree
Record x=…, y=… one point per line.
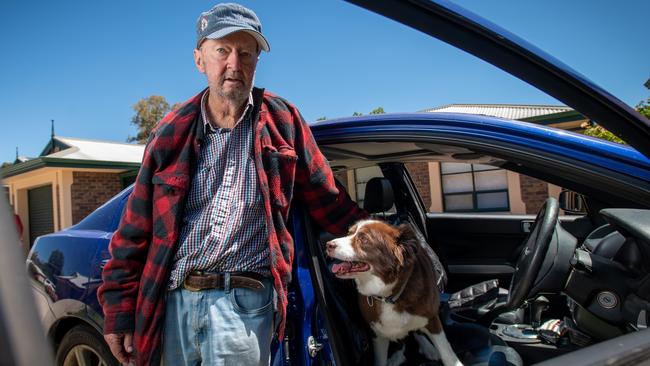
x=148, y=112
x=595, y=130
x=321, y=118
x=592, y=129
x=357, y=114
x=644, y=107
x=378, y=110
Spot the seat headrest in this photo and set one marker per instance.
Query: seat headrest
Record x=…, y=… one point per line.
x=379, y=195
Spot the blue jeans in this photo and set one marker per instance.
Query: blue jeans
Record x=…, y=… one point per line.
x=219, y=327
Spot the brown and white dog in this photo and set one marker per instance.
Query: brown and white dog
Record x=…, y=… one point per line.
x=396, y=283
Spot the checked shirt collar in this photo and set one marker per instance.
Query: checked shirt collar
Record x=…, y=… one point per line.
x=207, y=126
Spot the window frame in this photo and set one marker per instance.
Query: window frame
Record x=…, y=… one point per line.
x=474, y=192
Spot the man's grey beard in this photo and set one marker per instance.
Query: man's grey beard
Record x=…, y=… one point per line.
x=238, y=95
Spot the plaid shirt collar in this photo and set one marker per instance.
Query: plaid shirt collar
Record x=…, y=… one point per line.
x=207, y=126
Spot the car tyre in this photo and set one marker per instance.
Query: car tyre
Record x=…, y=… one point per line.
x=82, y=346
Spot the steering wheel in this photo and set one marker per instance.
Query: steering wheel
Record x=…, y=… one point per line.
x=532, y=255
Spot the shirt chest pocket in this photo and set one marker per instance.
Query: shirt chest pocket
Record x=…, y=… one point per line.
x=168, y=193
x=169, y=183
x=280, y=166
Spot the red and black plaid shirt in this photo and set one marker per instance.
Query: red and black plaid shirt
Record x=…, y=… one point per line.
x=288, y=164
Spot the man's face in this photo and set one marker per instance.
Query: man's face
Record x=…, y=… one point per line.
x=229, y=64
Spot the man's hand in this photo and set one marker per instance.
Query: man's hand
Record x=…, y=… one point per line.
x=121, y=346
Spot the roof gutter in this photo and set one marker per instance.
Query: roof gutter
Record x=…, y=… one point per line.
x=50, y=162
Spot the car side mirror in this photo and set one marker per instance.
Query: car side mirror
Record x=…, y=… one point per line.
x=572, y=202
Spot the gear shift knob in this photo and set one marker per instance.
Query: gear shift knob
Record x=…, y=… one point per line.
x=536, y=308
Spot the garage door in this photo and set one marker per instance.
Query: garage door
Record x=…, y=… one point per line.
x=41, y=220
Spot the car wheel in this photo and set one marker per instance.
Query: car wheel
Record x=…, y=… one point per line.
x=82, y=346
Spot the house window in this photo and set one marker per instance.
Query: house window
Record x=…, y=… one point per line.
x=474, y=187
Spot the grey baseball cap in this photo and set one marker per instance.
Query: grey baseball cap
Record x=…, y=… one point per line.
x=224, y=19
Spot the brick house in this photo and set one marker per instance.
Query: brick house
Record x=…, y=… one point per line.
x=68, y=180
x=455, y=187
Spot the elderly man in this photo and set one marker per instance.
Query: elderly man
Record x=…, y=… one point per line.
x=202, y=256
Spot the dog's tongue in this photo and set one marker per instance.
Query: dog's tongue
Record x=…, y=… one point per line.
x=341, y=267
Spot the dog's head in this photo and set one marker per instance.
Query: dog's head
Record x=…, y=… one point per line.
x=373, y=248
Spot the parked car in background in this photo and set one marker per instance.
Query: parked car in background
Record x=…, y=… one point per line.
x=587, y=266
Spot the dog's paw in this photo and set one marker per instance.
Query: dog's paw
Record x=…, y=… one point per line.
x=397, y=358
x=426, y=348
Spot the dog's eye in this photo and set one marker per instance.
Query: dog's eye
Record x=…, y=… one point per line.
x=363, y=238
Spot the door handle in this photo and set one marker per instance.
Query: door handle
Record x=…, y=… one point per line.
x=527, y=225
x=102, y=264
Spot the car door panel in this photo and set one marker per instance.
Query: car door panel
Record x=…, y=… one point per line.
x=478, y=247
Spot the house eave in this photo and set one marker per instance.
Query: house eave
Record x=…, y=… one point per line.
x=549, y=119
x=44, y=161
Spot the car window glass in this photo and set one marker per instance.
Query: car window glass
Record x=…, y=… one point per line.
x=478, y=188
x=103, y=218
x=355, y=180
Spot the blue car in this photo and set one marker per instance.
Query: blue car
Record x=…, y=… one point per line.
x=568, y=285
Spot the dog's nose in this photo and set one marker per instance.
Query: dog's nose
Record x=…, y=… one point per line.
x=330, y=245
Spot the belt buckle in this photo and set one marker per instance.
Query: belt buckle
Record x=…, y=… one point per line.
x=189, y=287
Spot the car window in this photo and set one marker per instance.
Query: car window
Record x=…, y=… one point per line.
x=104, y=218
x=480, y=188
x=355, y=180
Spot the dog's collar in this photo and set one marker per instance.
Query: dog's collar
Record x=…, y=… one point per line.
x=389, y=299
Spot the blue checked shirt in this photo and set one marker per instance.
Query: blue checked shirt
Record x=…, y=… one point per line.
x=224, y=227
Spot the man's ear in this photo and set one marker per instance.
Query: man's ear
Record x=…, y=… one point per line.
x=198, y=60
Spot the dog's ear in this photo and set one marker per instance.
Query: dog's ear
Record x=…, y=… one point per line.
x=406, y=233
x=408, y=242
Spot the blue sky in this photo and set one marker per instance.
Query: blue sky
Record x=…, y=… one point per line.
x=85, y=63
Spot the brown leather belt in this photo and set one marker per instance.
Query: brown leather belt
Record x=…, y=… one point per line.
x=197, y=281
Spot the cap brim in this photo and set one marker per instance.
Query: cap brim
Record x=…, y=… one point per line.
x=264, y=44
